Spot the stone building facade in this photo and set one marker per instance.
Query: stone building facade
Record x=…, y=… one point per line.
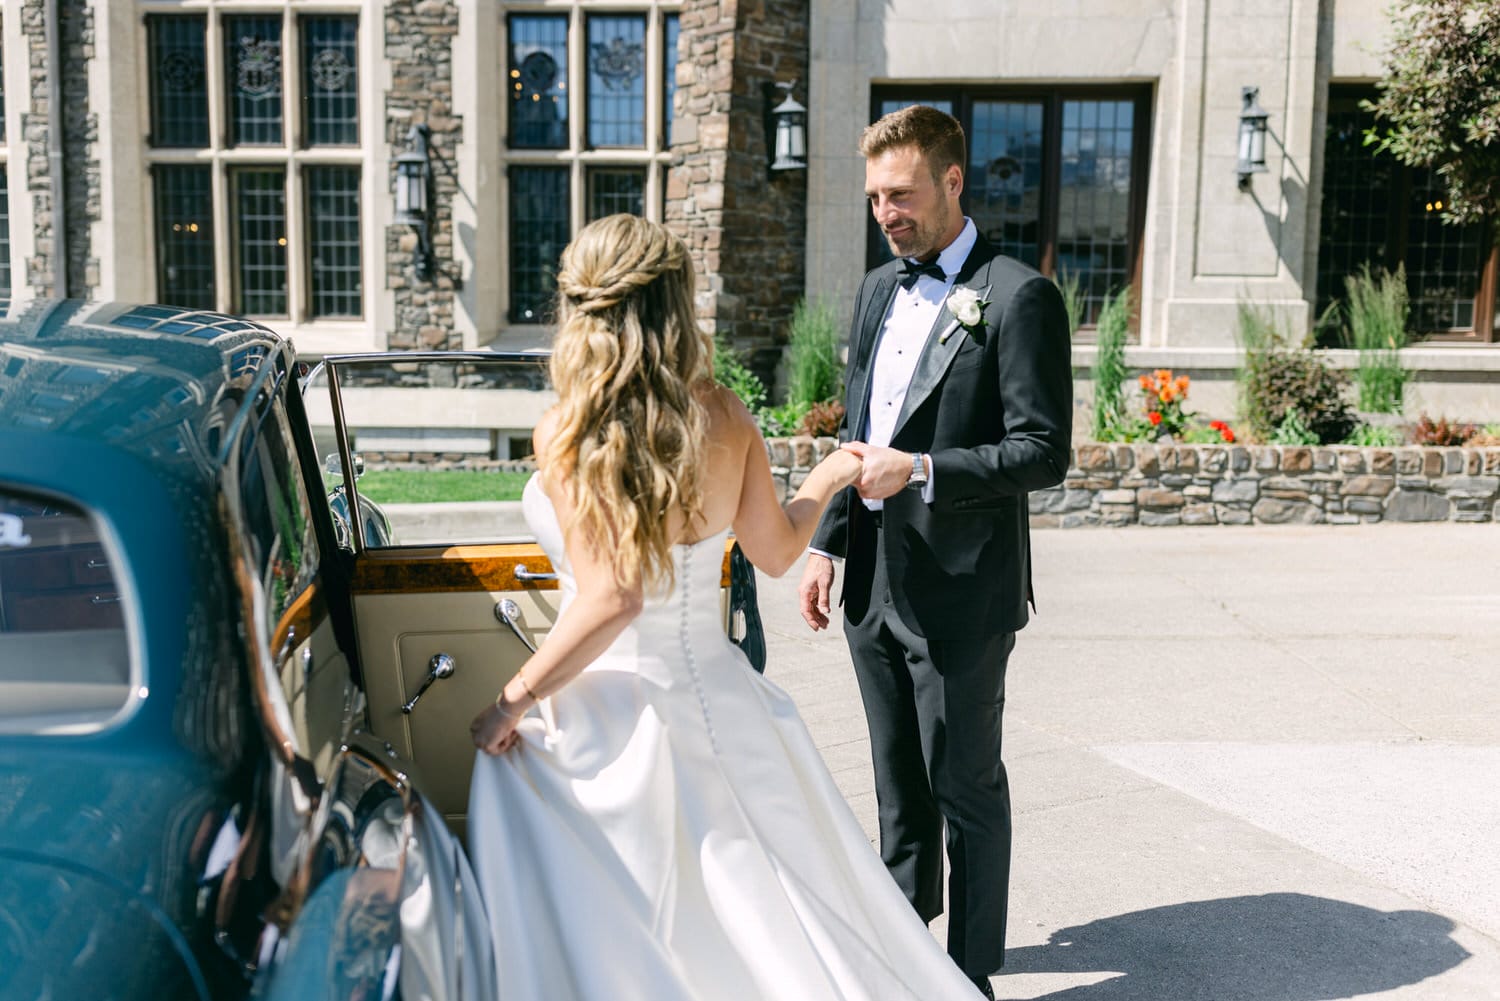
x=241, y=155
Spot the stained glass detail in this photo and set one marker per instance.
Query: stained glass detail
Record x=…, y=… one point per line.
x=538, y=81
x=1094, y=198
x=184, y=235
x=330, y=86
x=333, y=240
x=4, y=234
x=617, y=80
x=616, y=189
x=252, y=76
x=1004, y=177
x=670, y=34
x=178, y=83
x=538, y=233
x=260, y=240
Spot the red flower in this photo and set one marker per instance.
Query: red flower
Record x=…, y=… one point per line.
x=1154, y=417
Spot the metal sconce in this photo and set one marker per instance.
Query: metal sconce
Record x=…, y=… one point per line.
x=789, y=121
x=413, y=171
x=1252, y=145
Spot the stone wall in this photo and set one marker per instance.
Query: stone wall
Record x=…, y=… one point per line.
x=419, y=37
x=1162, y=485
x=744, y=224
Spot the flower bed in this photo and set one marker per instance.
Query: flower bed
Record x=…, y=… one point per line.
x=1166, y=484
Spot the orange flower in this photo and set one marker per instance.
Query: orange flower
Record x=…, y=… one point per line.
x=1181, y=382
x=1146, y=383
x=1163, y=375
x=1226, y=434
x=1167, y=394
x=1154, y=417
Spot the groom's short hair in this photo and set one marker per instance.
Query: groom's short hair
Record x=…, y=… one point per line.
x=935, y=134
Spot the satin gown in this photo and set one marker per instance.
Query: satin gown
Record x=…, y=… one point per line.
x=665, y=830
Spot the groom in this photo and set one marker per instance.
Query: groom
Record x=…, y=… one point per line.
x=959, y=400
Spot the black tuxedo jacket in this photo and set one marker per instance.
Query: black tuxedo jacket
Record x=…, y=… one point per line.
x=993, y=407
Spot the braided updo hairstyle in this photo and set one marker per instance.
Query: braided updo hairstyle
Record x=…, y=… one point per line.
x=631, y=433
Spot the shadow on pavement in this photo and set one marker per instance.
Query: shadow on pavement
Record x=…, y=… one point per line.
x=1275, y=947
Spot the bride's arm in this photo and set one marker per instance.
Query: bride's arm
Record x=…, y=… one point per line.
x=594, y=619
x=774, y=535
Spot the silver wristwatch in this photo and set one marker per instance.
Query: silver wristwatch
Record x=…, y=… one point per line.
x=918, y=471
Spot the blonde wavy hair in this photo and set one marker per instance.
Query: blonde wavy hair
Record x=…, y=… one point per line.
x=631, y=434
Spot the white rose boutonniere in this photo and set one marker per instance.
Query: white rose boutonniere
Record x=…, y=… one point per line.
x=967, y=307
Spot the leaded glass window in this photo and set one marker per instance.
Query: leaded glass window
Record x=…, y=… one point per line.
x=614, y=190
x=265, y=216
x=671, y=32
x=252, y=78
x=259, y=246
x=616, y=70
x=538, y=81
x=538, y=232
x=4, y=231
x=179, y=81
x=1055, y=176
x=330, y=91
x=617, y=80
x=184, y=235
x=1379, y=213
x=333, y=240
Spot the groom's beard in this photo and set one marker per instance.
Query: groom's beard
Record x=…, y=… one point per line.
x=921, y=239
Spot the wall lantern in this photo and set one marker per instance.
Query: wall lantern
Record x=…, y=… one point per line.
x=413, y=170
x=1252, y=149
x=790, y=123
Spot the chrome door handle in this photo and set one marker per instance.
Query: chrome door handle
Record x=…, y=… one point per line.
x=509, y=613
x=523, y=574
x=439, y=667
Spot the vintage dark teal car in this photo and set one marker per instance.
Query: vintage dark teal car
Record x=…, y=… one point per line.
x=234, y=750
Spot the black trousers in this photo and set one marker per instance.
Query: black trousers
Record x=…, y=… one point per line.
x=933, y=700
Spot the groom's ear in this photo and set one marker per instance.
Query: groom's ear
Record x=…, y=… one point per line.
x=953, y=180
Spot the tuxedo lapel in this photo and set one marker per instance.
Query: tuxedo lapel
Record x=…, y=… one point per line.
x=937, y=353
x=872, y=322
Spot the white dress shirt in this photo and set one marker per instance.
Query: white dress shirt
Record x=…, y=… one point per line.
x=908, y=324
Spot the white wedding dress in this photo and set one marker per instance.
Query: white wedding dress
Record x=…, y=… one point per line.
x=665, y=830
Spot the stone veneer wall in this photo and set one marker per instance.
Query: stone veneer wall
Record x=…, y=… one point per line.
x=81, y=169
x=744, y=225
x=419, y=37
x=1160, y=485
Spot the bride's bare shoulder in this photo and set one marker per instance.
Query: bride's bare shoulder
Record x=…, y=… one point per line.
x=726, y=411
x=546, y=427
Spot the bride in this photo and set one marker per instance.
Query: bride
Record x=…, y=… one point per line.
x=649, y=818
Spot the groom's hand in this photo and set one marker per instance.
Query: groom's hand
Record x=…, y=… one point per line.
x=886, y=470
x=817, y=582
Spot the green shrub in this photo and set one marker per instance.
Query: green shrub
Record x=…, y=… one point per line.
x=1376, y=311
x=1276, y=380
x=1109, y=367
x=1293, y=431
x=783, y=420
x=1370, y=434
x=731, y=372
x=1073, y=298
x=813, y=368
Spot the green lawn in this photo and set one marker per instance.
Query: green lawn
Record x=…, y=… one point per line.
x=421, y=486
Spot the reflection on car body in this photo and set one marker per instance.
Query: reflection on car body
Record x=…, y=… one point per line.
x=207, y=783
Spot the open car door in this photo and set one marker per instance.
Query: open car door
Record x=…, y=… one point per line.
x=449, y=597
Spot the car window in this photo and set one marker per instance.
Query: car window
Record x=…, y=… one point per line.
x=441, y=446
x=64, y=651
x=274, y=500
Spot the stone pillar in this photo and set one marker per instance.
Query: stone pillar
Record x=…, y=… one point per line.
x=419, y=37
x=81, y=174
x=81, y=169
x=746, y=226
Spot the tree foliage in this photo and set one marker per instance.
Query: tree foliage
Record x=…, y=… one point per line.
x=1439, y=100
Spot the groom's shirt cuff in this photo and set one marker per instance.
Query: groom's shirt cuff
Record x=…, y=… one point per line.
x=819, y=552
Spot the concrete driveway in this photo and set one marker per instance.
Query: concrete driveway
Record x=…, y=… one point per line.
x=1248, y=764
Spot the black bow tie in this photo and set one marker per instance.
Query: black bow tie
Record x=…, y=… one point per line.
x=912, y=270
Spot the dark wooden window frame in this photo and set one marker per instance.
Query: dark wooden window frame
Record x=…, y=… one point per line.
x=1483, y=331
x=1052, y=97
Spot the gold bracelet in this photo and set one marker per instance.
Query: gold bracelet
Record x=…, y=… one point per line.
x=521, y=675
